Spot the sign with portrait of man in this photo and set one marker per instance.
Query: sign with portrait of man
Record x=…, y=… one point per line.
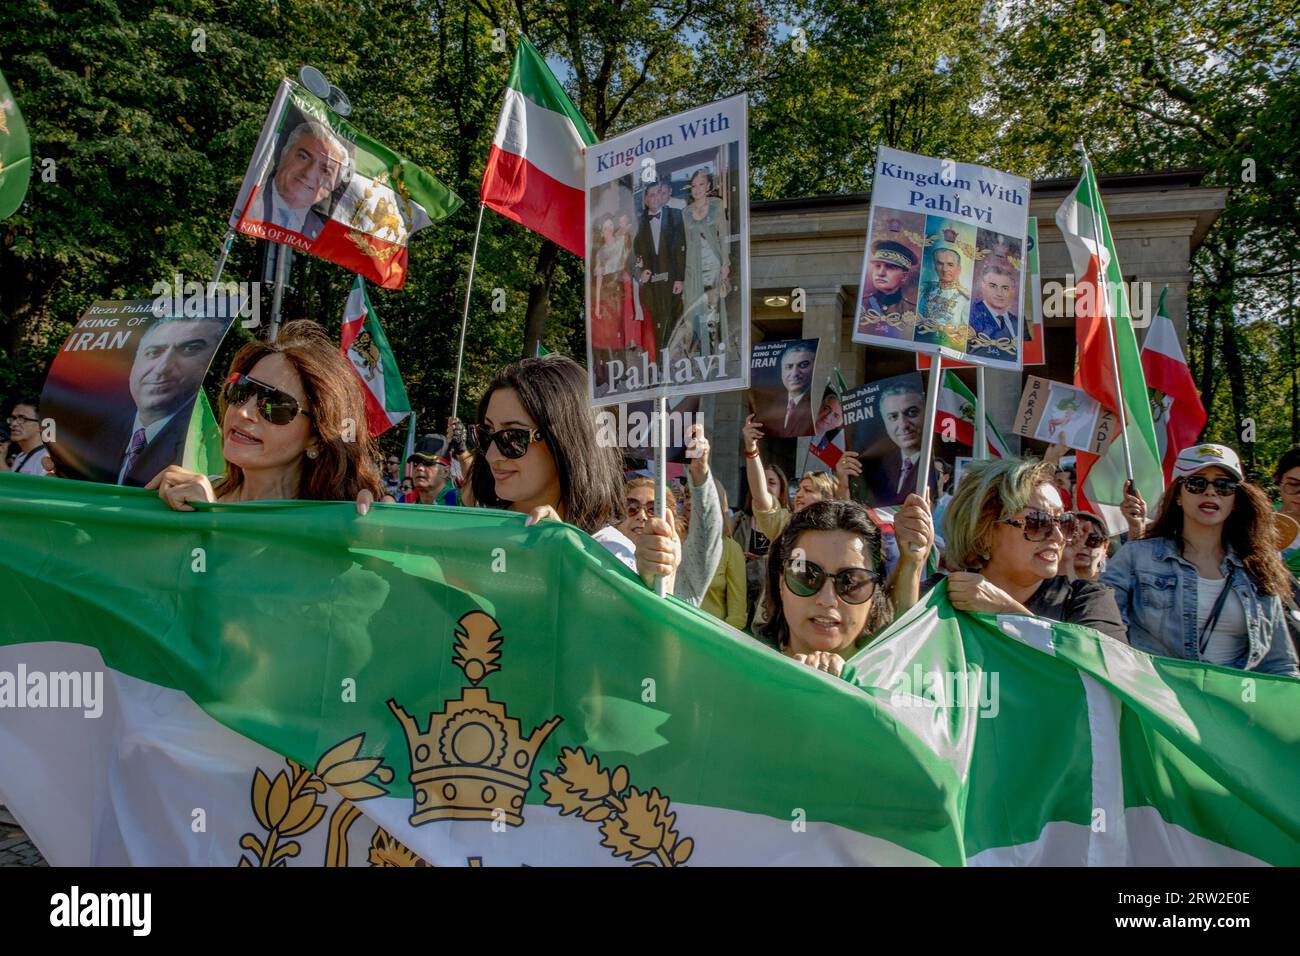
x=780, y=387
x=884, y=422
x=321, y=186
x=943, y=269
x=121, y=390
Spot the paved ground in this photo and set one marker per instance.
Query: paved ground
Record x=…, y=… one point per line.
x=15, y=848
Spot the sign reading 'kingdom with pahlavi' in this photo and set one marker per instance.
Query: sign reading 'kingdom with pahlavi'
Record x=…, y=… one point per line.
x=943, y=267
x=667, y=216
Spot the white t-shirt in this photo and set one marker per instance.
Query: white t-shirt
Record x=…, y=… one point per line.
x=1227, y=642
x=618, y=544
x=31, y=462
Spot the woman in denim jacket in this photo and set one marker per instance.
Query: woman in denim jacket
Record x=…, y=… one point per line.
x=1205, y=582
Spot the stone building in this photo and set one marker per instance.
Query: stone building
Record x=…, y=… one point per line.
x=816, y=244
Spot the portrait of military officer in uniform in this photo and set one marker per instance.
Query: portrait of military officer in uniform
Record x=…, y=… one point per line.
x=945, y=295
x=890, y=278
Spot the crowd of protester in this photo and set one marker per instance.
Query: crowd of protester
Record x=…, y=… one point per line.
x=1211, y=577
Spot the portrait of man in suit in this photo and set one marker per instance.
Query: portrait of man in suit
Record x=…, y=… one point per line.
x=994, y=315
x=902, y=411
x=311, y=165
x=787, y=412
x=660, y=250
x=168, y=370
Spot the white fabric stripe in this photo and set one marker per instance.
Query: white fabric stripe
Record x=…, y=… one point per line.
x=1075, y=222
x=1151, y=842
x=546, y=139
x=374, y=379
x=1162, y=338
x=121, y=789
x=1108, y=840
x=375, y=209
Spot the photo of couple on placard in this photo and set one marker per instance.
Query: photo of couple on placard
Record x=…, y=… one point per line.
x=663, y=254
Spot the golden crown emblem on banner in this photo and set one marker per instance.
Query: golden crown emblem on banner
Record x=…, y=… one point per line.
x=473, y=761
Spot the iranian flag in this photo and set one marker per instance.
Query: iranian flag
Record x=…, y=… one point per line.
x=535, y=173
x=831, y=447
x=956, y=413
x=318, y=184
x=1106, y=342
x=364, y=344
x=15, y=153
x=1176, y=407
x=320, y=728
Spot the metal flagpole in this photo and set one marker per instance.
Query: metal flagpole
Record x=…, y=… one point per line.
x=981, y=413
x=927, y=434
x=226, y=243
x=661, y=475
x=282, y=254
x=464, y=319
x=1094, y=201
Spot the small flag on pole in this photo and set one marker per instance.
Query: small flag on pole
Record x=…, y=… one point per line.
x=364, y=344
x=1107, y=352
x=957, y=405
x=1176, y=408
x=203, y=443
x=535, y=173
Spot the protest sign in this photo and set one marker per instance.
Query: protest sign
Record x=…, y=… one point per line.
x=121, y=389
x=667, y=264
x=942, y=267
x=1058, y=413
x=884, y=424
x=780, y=387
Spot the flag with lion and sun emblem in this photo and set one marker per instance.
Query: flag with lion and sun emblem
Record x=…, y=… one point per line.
x=364, y=344
x=320, y=185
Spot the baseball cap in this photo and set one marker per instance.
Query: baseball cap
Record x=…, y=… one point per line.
x=430, y=449
x=1192, y=459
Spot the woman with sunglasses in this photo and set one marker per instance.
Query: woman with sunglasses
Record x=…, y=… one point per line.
x=1206, y=581
x=1085, y=555
x=537, y=453
x=283, y=411
x=825, y=597
x=1007, y=530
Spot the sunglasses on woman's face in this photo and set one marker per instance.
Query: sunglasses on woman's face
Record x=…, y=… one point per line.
x=277, y=407
x=511, y=442
x=852, y=585
x=1223, y=487
x=1089, y=539
x=635, y=509
x=1037, y=525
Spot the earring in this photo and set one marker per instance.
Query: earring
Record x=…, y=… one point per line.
x=312, y=453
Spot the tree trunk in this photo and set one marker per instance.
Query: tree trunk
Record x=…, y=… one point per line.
x=1224, y=296
x=539, y=297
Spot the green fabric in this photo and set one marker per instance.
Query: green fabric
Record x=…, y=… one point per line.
x=15, y=153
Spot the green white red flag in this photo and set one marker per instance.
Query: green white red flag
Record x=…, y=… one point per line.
x=364, y=344
x=956, y=413
x=1176, y=407
x=321, y=186
x=1106, y=341
x=535, y=173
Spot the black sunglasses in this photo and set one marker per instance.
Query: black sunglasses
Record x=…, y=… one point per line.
x=1223, y=487
x=1092, y=539
x=277, y=407
x=1037, y=525
x=511, y=442
x=853, y=585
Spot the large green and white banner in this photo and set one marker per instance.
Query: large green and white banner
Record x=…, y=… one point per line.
x=286, y=683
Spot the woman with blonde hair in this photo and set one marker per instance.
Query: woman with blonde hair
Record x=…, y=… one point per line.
x=1006, y=531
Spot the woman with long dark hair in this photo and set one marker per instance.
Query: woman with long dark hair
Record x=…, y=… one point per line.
x=293, y=425
x=825, y=585
x=538, y=453
x=1206, y=582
